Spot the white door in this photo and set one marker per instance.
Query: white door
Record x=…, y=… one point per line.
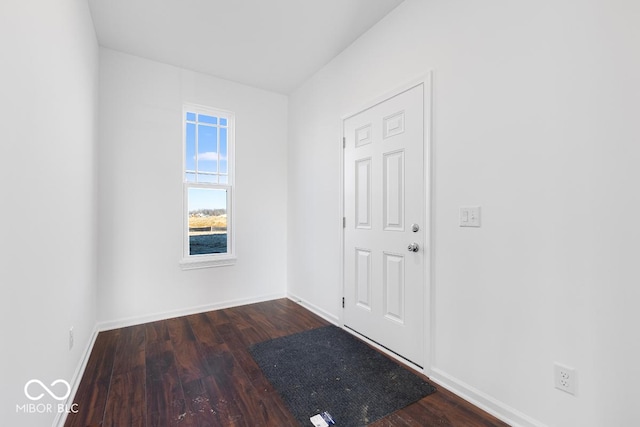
x=384, y=206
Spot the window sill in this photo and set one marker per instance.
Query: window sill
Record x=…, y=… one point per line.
x=207, y=262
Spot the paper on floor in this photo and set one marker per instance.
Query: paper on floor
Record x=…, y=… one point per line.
x=322, y=420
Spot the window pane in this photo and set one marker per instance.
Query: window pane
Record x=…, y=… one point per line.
x=207, y=221
x=190, y=177
x=191, y=117
x=223, y=150
x=202, y=118
x=224, y=179
x=202, y=177
x=190, y=146
x=207, y=149
x=223, y=122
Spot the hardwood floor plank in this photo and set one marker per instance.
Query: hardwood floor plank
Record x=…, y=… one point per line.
x=300, y=315
x=91, y=396
x=236, y=403
x=205, y=331
x=450, y=408
x=228, y=387
x=130, y=352
x=253, y=335
x=268, y=322
x=191, y=365
x=166, y=404
x=218, y=317
x=233, y=340
x=196, y=371
x=126, y=403
x=204, y=406
x=156, y=331
x=414, y=416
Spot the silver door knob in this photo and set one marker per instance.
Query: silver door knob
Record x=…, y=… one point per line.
x=415, y=228
x=414, y=247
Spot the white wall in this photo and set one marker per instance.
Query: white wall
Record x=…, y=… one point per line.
x=48, y=105
x=535, y=119
x=140, y=192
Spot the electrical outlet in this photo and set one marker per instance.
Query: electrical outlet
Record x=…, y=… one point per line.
x=565, y=378
x=70, y=338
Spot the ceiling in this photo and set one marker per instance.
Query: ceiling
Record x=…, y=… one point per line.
x=270, y=44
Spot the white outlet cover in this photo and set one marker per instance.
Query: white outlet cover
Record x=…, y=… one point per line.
x=565, y=378
x=470, y=216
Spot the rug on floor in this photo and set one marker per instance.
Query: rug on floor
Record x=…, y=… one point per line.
x=328, y=369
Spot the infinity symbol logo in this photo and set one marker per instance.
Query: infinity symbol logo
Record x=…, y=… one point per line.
x=51, y=393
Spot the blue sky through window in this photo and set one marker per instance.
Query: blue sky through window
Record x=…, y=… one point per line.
x=203, y=118
x=207, y=198
x=208, y=136
x=207, y=148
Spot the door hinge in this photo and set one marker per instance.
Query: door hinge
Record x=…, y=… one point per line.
x=344, y=222
x=342, y=302
x=344, y=142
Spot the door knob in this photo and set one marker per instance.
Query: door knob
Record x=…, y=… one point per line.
x=414, y=247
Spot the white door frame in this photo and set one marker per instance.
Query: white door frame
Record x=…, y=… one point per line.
x=429, y=319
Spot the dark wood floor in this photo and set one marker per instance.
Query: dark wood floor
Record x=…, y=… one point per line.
x=197, y=371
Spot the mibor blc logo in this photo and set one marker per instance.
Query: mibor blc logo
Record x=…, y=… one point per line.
x=47, y=389
x=35, y=390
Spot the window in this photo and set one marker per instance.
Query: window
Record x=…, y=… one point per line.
x=207, y=178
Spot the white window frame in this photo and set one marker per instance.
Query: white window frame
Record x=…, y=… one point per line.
x=189, y=261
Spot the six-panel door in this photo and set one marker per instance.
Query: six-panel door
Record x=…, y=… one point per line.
x=384, y=195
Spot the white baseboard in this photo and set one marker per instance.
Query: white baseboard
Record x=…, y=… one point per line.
x=498, y=409
x=315, y=309
x=138, y=320
x=61, y=417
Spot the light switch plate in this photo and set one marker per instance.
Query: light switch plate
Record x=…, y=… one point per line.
x=470, y=216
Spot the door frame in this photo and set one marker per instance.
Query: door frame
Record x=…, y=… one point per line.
x=428, y=339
